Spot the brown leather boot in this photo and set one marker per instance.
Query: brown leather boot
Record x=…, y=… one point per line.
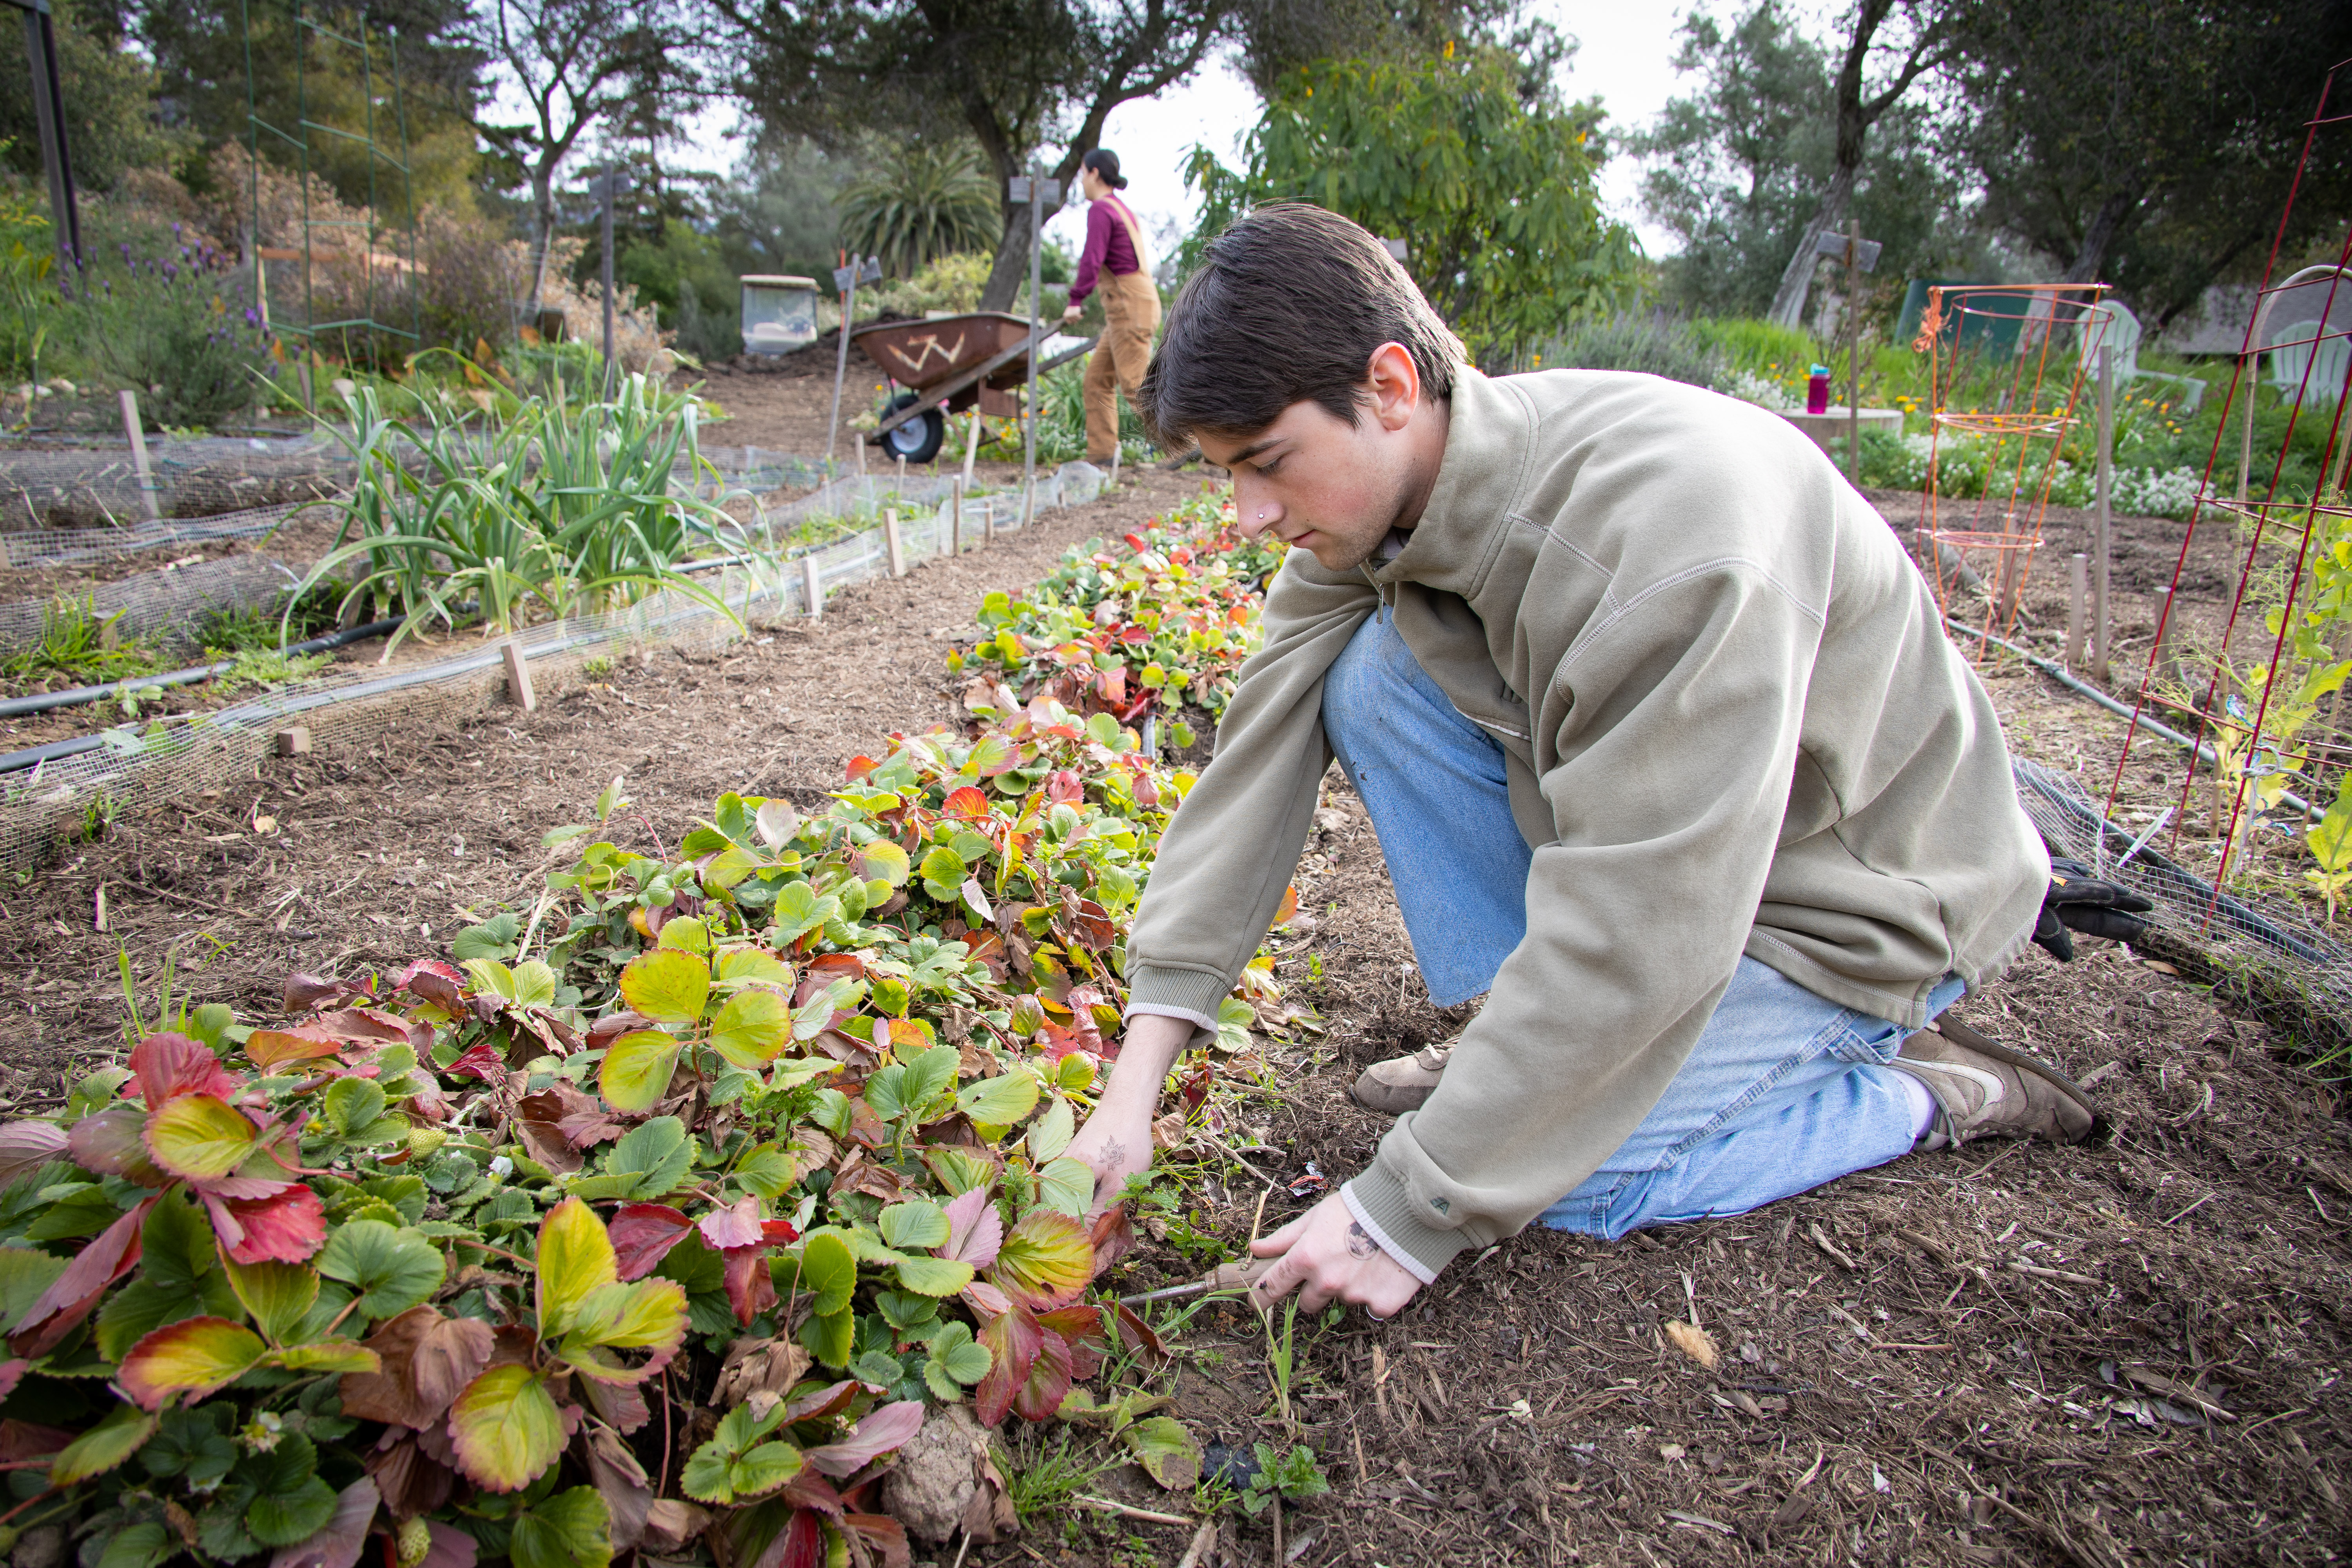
x=1402, y=1083
x=1984, y=1089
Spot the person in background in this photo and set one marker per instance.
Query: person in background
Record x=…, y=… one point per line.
x=1114, y=256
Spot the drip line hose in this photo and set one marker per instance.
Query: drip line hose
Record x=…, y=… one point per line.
x=2205, y=753
x=43, y=703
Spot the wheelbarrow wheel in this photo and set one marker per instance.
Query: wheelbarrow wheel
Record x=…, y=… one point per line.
x=918, y=439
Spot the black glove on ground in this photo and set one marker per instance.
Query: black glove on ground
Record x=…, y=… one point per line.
x=2078, y=902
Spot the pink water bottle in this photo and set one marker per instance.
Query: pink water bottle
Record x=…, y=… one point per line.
x=1817, y=390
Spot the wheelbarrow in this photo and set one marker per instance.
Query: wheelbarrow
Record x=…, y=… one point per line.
x=945, y=365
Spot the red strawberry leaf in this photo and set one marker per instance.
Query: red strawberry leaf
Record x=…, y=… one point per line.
x=1082, y=1326
x=643, y=1235
x=108, y=1257
x=165, y=1066
x=1015, y=1340
x=285, y=1227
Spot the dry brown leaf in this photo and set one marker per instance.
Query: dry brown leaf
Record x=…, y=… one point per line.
x=1694, y=1342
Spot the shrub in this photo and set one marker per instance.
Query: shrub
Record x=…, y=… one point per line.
x=178, y=327
x=1650, y=344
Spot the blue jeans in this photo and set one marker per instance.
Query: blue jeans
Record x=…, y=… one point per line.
x=1784, y=1089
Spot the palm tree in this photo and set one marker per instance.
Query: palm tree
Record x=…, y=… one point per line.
x=926, y=201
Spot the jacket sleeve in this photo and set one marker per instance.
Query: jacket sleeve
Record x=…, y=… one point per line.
x=1227, y=856
x=1098, y=247
x=1678, y=719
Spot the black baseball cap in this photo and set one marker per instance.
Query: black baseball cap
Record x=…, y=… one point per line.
x=1105, y=163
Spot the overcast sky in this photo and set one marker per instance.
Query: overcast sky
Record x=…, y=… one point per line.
x=1624, y=54
x=1625, y=48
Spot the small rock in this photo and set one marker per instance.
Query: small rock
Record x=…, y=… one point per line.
x=937, y=1474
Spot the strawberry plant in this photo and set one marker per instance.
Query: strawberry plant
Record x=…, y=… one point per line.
x=668, y=1238
x=1165, y=625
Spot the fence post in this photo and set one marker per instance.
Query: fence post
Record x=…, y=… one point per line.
x=812, y=587
x=519, y=687
x=2102, y=518
x=893, y=543
x=2078, y=571
x=139, y=455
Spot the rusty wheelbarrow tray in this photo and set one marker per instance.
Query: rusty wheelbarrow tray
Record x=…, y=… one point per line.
x=953, y=361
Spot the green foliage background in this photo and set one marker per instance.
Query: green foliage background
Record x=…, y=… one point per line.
x=1495, y=195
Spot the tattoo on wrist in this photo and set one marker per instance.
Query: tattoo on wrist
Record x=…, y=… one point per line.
x=1113, y=1152
x=1359, y=1240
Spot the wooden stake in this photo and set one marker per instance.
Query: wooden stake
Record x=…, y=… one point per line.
x=2166, y=626
x=1029, y=501
x=988, y=523
x=1115, y=453
x=971, y=447
x=139, y=455
x=2102, y=518
x=812, y=588
x=518, y=691
x=893, y=543
x=2078, y=590
x=954, y=537
x=294, y=741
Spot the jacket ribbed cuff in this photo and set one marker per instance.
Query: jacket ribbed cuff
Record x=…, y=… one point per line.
x=1380, y=1198
x=1183, y=990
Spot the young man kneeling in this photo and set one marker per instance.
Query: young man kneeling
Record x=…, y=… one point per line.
x=1667, y=754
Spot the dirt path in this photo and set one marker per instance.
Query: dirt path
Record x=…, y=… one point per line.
x=374, y=859
x=2119, y=1353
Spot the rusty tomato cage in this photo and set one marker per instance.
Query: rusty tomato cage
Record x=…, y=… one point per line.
x=2007, y=368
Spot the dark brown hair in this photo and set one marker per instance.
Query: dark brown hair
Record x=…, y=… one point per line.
x=1288, y=304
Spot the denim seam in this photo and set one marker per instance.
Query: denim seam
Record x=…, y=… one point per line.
x=1841, y=1024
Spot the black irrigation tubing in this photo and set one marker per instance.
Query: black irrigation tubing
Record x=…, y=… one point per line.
x=2205, y=753
x=42, y=702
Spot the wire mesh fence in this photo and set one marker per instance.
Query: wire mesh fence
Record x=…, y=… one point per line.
x=2263, y=949
x=168, y=609
x=351, y=708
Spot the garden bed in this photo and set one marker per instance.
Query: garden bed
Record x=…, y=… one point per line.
x=2032, y=1314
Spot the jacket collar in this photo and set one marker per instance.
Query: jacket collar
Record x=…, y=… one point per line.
x=1489, y=432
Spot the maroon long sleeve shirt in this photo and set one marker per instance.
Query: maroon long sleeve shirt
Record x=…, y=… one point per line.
x=1109, y=246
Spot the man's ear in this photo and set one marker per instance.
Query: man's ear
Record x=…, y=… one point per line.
x=1394, y=386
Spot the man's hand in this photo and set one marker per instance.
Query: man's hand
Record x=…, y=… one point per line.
x=1073, y=312
x=1116, y=1141
x=1333, y=1257
x=1115, y=1144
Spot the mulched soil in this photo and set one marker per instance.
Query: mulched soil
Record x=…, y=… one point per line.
x=2122, y=1352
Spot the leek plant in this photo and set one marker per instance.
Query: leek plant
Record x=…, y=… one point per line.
x=560, y=510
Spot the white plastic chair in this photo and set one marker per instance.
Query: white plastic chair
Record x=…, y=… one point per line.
x=2122, y=337
x=2308, y=361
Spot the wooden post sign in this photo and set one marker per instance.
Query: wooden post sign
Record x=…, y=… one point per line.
x=1860, y=255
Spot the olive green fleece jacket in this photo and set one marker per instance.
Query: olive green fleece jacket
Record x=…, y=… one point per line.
x=1733, y=725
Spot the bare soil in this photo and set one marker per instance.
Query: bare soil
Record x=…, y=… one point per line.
x=2122, y=1352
